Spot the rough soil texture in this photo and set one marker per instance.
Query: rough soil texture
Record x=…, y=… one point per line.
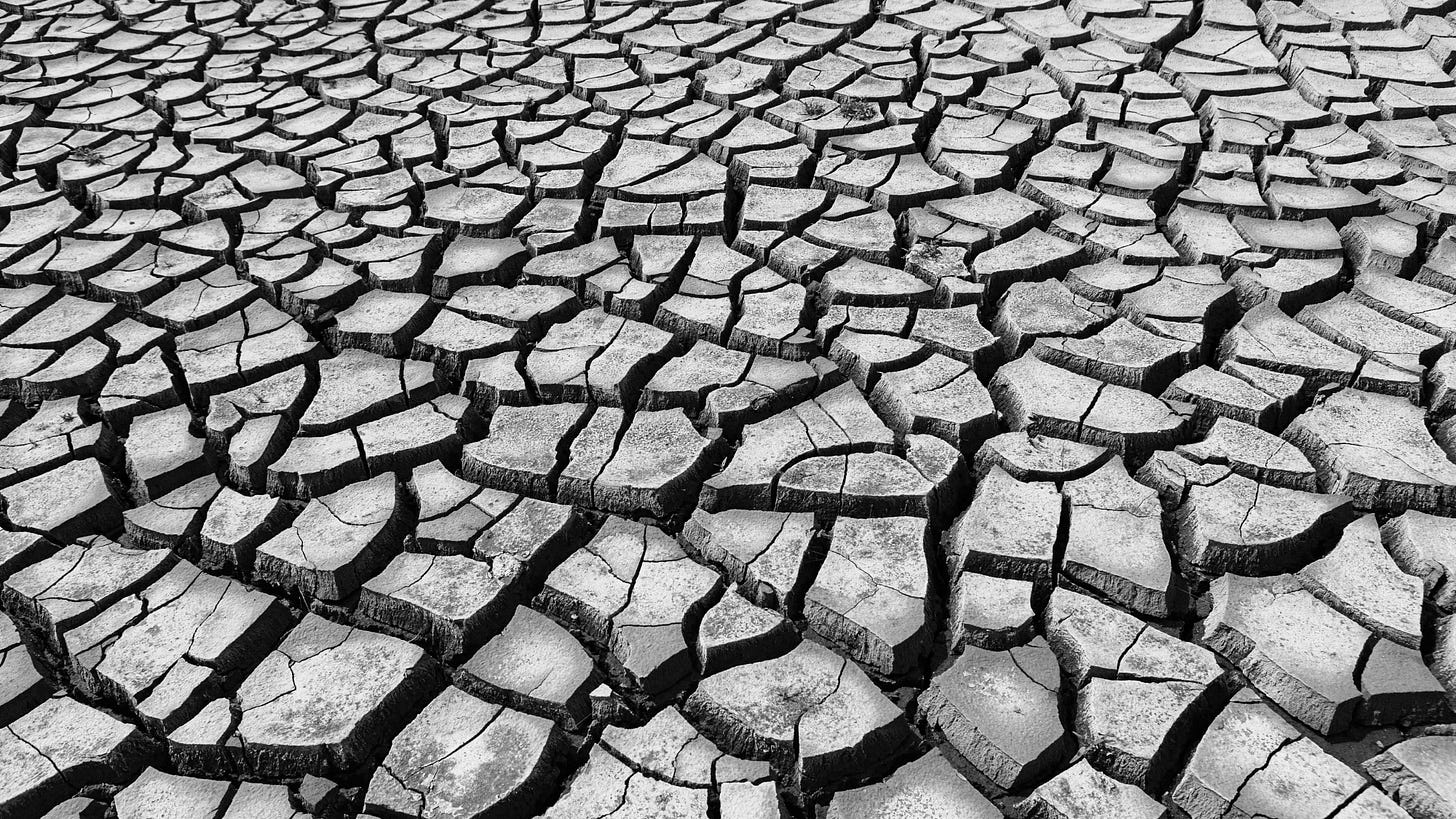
x=740, y=409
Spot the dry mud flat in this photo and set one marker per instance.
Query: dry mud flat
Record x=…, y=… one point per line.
x=867, y=409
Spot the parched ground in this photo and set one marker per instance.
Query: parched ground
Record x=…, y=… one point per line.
x=847, y=409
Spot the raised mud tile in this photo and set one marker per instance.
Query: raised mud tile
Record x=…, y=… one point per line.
x=1140, y=691
x=809, y=709
x=533, y=665
x=382, y=322
x=81, y=369
x=764, y=552
x=1229, y=523
x=1394, y=350
x=527, y=308
x=634, y=590
x=570, y=268
x=1084, y=791
x=1267, y=337
x=1323, y=668
x=201, y=301
x=197, y=747
x=838, y=420
x=1359, y=579
x=526, y=448
x=464, y=757
x=1032, y=457
x=406, y=439
x=320, y=295
x=532, y=534
x=999, y=711
x=156, y=792
x=1417, y=774
x=57, y=432
x=650, y=464
x=20, y=304
x=162, y=454
x=869, y=484
x=173, y=520
x=21, y=685
x=596, y=357
x=605, y=787
x=1039, y=397
x=1425, y=308
x=71, y=501
x=62, y=746
x=358, y=386
x=62, y=323
x=1253, y=453
x=861, y=282
x=446, y=602
x=471, y=261
x=252, y=344
x=452, y=511
x=990, y=612
x=235, y=526
x=939, y=396
x=767, y=386
x=871, y=596
x=69, y=587
x=1252, y=760
x=453, y=340
x=1035, y=311
x=671, y=749
x=264, y=801
x=247, y=428
x=956, y=332
x=744, y=800
x=1397, y=687
x=684, y=380
x=1422, y=545
x=1114, y=542
x=336, y=543
x=1216, y=394
x=159, y=651
x=361, y=686
x=925, y=788
x=1376, y=449
x=867, y=356
x=1121, y=353
x=735, y=631
x=1010, y=530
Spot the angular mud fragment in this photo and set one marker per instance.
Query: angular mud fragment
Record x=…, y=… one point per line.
x=1417, y=774
x=1141, y=693
x=60, y=747
x=533, y=665
x=336, y=543
x=633, y=590
x=810, y=710
x=1322, y=667
x=999, y=711
x=871, y=595
x=1376, y=449
x=362, y=685
x=463, y=756
x=1252, y=760
x=1083, y=791
x=921, y=789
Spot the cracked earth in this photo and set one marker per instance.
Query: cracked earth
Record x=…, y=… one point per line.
x=739, y=409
